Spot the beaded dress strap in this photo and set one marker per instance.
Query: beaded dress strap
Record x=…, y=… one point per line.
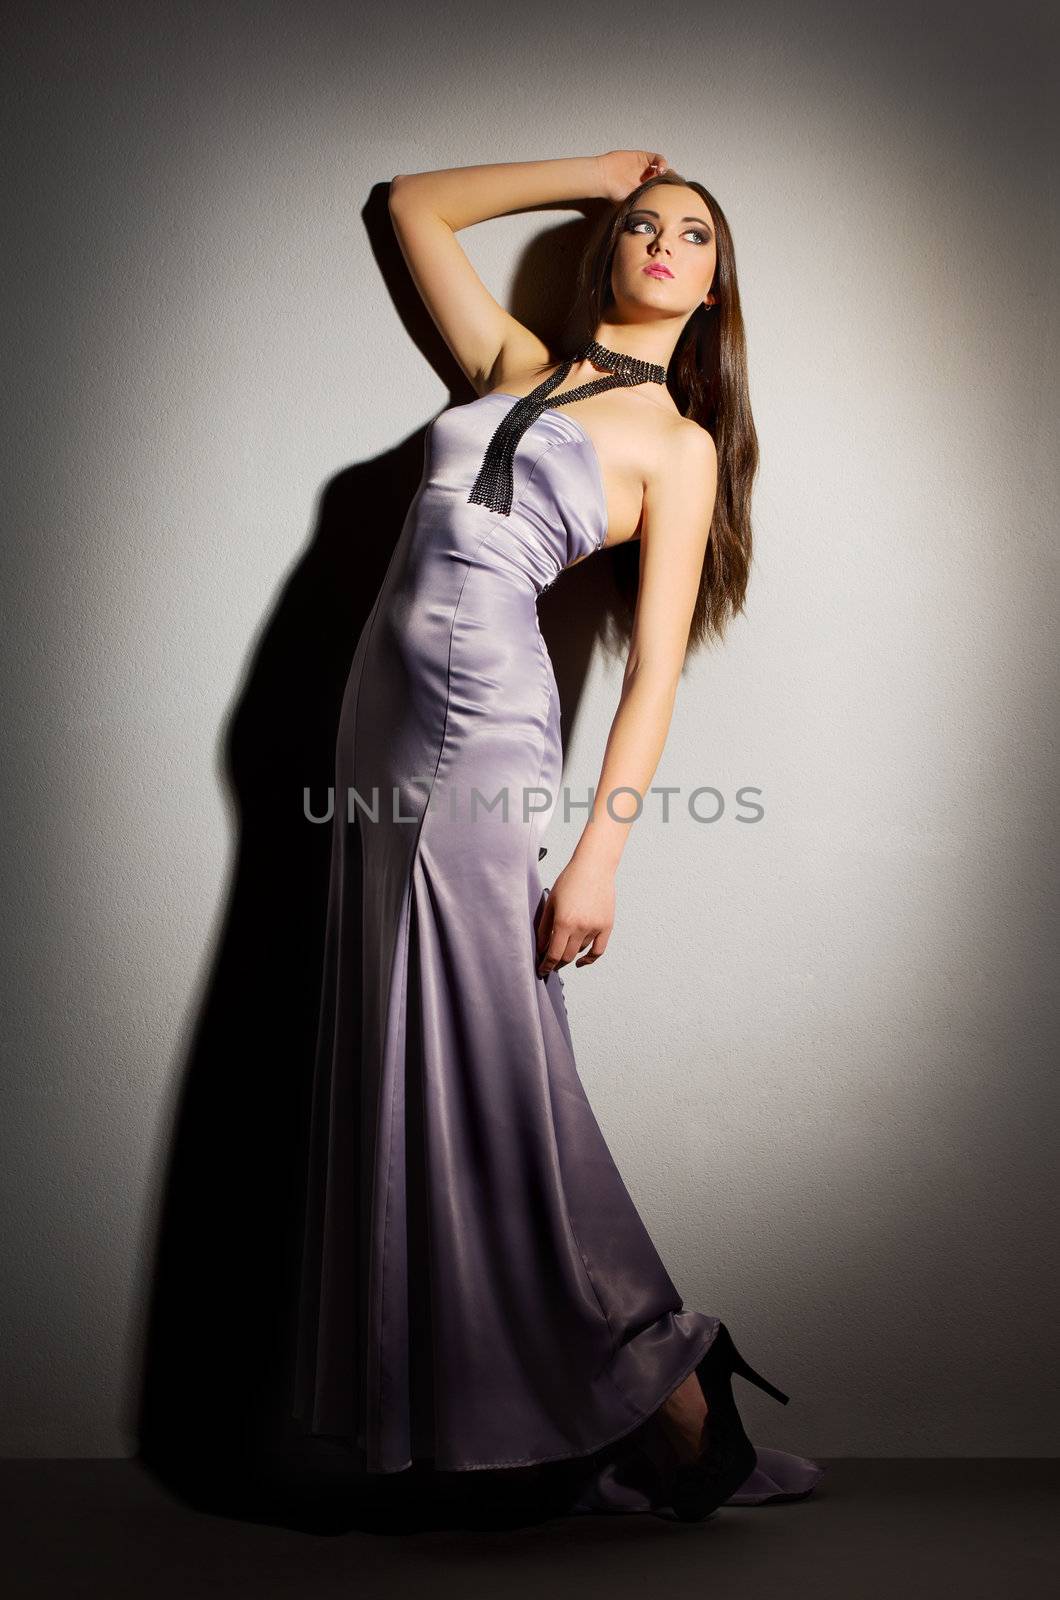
x=494, y=484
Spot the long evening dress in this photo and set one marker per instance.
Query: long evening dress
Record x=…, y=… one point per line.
x=478, y=1290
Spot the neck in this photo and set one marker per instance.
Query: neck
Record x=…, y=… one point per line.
x=653, y=342
x=620, y=366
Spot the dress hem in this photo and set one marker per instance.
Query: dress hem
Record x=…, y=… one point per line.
x=528, y=1461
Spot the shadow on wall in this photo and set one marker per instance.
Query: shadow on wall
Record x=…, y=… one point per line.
x=212, y=1413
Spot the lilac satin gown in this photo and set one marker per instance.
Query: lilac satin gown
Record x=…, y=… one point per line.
x=478, y=1290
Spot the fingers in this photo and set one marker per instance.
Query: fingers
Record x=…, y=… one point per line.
x=559, y=939
x=560, y=948
x=595, y=951
x=551, y=949
x=544, y=925
x=553, y=939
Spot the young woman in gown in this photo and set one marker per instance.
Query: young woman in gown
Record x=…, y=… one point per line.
x=479, y=1294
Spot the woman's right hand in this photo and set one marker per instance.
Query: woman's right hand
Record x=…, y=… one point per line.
x=622, y=171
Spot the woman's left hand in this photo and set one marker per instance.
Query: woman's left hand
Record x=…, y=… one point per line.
x=579, y=912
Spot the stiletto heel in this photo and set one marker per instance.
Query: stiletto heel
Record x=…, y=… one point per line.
x=702, y=1485
x=740, y=1365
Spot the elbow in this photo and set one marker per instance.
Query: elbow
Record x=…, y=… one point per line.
x=657, y=679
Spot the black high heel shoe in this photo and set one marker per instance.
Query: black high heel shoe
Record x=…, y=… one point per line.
x=700, y=1486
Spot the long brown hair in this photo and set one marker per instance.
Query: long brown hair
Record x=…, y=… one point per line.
x=707, y=378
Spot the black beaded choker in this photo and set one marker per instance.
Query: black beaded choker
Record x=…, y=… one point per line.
x=493, y=486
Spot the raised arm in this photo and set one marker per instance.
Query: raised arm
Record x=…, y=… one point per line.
x=429, y=208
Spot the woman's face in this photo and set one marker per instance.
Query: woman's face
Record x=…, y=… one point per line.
x=669, y=228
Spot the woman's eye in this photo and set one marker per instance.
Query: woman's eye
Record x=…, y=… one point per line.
x=643, y=222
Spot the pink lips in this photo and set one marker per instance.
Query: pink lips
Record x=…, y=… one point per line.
x=658, y=272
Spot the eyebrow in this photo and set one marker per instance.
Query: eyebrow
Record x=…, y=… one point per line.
x=644, y=210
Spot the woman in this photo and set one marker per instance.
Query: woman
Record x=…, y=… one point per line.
x=479, y=1293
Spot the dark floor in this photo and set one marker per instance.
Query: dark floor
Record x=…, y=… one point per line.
x=899, y=1529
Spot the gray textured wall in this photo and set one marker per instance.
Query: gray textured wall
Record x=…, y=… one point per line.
x=823, y=1047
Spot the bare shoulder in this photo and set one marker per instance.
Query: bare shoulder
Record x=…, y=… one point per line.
x=685, y=449
x=682, y=463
